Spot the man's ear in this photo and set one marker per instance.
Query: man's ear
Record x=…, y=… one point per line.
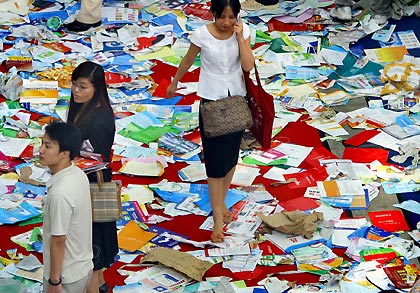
x=65, y=155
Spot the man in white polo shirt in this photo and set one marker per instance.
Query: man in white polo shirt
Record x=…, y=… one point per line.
x=67, y=231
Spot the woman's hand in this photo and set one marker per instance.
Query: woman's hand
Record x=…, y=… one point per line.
x=238, y=29
x=170, y=91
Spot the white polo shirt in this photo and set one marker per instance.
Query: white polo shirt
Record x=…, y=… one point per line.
x=68, y=211
x=221, y=70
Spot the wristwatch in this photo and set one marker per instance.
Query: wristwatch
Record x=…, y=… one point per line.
x=54, y=284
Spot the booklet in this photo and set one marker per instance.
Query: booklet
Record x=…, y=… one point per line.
x=290, y=242
x=22, y=212
x=334, y=188
x=132, y=210
x=176, y=144
x=409, y=205
x=45, y=54
x=386, y=54
x=158, y=279
x=22, y=63
x=313, y=254
x=163, y=239
x=193, y=173
x=142, y=168
x=35, y=275
x=132, y=237
x=402, y=277
x=351, y=202
x=89, y=165
x=245, y=221
x=38, y=91
x=120, y=15
x=268, y=157
x=402, y=132
x=256, y=193
x=390, y=221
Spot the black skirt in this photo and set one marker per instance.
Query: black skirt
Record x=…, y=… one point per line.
x=105, y=244
x=220, y=153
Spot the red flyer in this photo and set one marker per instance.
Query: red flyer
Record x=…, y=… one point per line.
x=390, y=221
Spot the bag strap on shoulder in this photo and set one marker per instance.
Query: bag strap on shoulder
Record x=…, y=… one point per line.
x=100, y=179
x=257, y=76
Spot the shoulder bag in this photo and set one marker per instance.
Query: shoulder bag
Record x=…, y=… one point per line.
x=106, y=199
x=225, y=116
x=262, y=108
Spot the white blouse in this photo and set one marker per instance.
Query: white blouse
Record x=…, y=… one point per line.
x=221, y=70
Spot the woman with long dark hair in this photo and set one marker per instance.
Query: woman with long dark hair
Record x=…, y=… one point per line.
x=225, y=52
x=90, y=110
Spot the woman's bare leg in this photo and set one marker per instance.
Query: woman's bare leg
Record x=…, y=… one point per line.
x=218, y=188
x=218, y=207
x=227, y=180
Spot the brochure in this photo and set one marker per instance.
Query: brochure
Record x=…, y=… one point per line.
x=386, y=54
x=22, y=212
x=162, y=239
x=288, y=243
x=89, y=165
x=142, y=168
x=390, y=220
x=120, y=15
x=132, y=237
x=158, y=279
x=131, y=210
x=192, y=173
x=176, y=144
x=38, y=91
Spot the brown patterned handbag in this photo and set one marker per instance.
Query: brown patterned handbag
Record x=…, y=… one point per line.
x=106, y=200
x=225, y=116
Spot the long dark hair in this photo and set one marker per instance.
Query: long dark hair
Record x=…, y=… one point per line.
x=80, y=115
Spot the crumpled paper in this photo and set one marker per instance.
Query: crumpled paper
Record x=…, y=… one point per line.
x=36, y=32
x=10, y=84
x=406, y=151
x=15, y=6
x=400, y=76
x=294, y=223
x=180, y=261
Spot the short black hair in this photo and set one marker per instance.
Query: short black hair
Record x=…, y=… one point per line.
x=67, y=136
x=217, y=7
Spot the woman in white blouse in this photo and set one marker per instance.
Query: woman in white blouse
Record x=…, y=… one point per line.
x=225, y=52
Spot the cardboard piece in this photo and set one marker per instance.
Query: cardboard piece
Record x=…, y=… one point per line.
x=180, y=261
x=295, y=223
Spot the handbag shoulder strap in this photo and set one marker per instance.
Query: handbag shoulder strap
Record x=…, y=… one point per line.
x=100, y=179
x=257, y=76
